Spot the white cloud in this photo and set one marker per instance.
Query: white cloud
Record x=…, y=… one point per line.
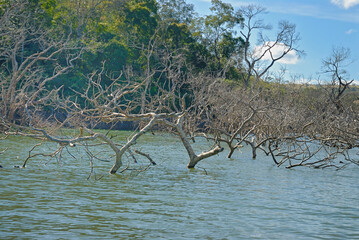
x=350, y=31
x=345, y=3
x=290, y=58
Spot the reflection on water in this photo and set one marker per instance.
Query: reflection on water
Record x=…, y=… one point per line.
x=240, y=198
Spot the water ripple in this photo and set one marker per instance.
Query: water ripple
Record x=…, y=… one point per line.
x=240, y=198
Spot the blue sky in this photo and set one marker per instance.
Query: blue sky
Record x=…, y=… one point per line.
x=322, y=24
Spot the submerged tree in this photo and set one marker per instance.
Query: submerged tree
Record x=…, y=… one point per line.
x=121, y=101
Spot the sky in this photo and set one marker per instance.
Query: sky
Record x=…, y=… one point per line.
x=322, y=24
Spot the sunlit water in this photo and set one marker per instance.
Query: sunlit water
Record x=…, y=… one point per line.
x=238, y=198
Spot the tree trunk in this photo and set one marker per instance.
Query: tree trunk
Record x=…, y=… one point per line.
x=131, y=142
x=193, y=158
x=231, y=151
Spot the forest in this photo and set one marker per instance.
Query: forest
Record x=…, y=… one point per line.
x=157, y=66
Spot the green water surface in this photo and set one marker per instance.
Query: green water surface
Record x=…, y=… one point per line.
x=238, y=198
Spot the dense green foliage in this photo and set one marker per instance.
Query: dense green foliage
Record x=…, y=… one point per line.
x=121, y=34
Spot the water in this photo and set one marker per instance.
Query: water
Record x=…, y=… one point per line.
x=238, y=198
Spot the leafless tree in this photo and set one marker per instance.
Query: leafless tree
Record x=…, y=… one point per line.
x=313, y=132
x=258, y=60
x=25, y=46
x=120, y=101
x=335, y=65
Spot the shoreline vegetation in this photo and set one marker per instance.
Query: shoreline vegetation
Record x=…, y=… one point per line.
x=149, y=65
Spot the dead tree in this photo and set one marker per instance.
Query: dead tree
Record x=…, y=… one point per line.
x=334, y=65
x=25, y=47
x=193, y=157
x=301, y=134
x=120, y=100
x=260, y=59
